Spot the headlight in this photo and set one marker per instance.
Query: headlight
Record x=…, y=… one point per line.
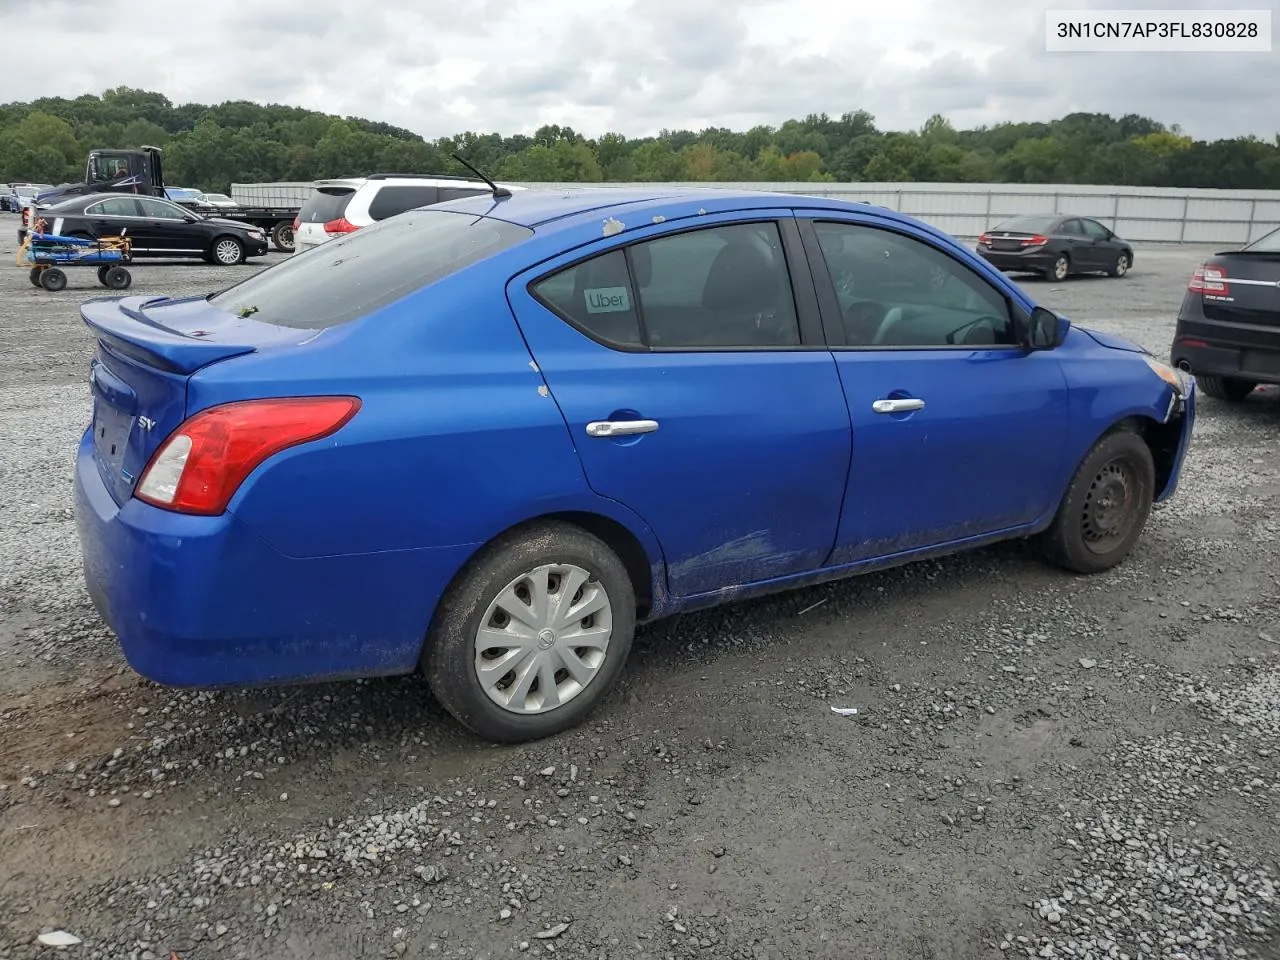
x=1174, y=377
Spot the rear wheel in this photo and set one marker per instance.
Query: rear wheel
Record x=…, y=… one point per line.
x=1105, y=507
x=118, y=278
x=282, y=237
x=1059, y=269
x=531, y=636
x=34, y=276
x=1231, y=389
x=1122, y=265
x=227, y=251
x=53, y=279
x=102, y=273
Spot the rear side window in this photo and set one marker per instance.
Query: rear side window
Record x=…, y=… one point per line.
x=327, y=203
x=115, y=207
x=361, y=272
x=596, y=297
x=394, y=199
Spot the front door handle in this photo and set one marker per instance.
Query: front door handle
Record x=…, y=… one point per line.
x=620, y=428
x=905, y=405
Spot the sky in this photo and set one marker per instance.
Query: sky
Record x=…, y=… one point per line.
x=635, y=66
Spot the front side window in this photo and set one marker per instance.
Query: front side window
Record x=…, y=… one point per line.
x=897, y=291
x=1095, y=231
x=159, y=210
x=725, y=287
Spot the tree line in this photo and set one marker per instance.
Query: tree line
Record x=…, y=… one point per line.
x=209, y=147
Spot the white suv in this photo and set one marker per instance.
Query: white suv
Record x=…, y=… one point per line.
x=344, y=205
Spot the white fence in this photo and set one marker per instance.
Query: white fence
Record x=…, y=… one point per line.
x=1149, y=214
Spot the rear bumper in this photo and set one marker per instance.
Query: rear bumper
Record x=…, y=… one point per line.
x=1033, y=261
x=1206, y=352
x=204, y=601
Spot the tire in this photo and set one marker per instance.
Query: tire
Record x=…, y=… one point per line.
x=226, y=251
x=282, y=237
x=510, y=564
x=1230, y=389
x=53, y=279
x=118, y=278
x=34, y=276
x=1059, y=270
x=1122, y=265
x=102, y=273
x=1085, y=536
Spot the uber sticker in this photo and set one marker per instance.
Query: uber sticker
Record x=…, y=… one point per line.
x=608, y=300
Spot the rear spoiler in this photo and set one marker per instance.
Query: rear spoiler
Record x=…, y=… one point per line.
x=123, y=325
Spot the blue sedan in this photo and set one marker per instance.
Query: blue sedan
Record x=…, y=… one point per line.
x=485, y=439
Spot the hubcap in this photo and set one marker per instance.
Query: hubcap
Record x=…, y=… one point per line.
x=1060, y=269
x=1109, y=509
x=543, y=639
x=1122, y=265
x=228, y=251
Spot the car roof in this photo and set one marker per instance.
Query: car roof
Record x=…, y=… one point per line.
x=539, y=207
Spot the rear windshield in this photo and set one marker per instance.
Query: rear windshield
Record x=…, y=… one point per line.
x=327, y=203
x=356, y=274
x=1267, y=243
x=1028, y=225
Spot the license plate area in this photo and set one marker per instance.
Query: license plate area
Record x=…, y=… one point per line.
x=1264, y=363
x=111, y=429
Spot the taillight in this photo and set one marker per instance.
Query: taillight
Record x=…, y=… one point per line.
x=201, y=465
x=985, y=239
x=297, y=222
x=341, y=225
x=1208, y=279
x=1036, y=241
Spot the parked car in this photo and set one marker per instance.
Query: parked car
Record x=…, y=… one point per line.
x=345, y=205
x=24, y=194
x=181, y=195
x=1056, y=246
x=217, y=201
x=4, y=195
x=489, y=437
x=1228, y=329
x=158, y=228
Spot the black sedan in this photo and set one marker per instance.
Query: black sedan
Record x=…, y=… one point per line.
x=158, y=229
x=1055, y=246
x=1228, y=330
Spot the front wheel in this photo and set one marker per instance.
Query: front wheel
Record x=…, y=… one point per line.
x=1231, y=389
x=533, y=634
x=1122, y=265
x=53, y=279
x=118, y=278
x=228, y=251
x=1105, y=507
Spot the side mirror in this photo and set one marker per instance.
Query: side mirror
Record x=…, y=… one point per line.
x=190, y=219
x=1044, y=330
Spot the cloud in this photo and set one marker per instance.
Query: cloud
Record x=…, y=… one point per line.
x=633, y=66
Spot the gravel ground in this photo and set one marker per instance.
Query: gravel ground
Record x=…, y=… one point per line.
x=1041, y=765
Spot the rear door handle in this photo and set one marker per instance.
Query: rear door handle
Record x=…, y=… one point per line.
x=905, y=405
x=620, y=428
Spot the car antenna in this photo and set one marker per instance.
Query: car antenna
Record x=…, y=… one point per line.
x=498, y=191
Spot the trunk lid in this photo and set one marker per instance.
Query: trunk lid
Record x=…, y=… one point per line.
x=1252, y=294
x=148, y=348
